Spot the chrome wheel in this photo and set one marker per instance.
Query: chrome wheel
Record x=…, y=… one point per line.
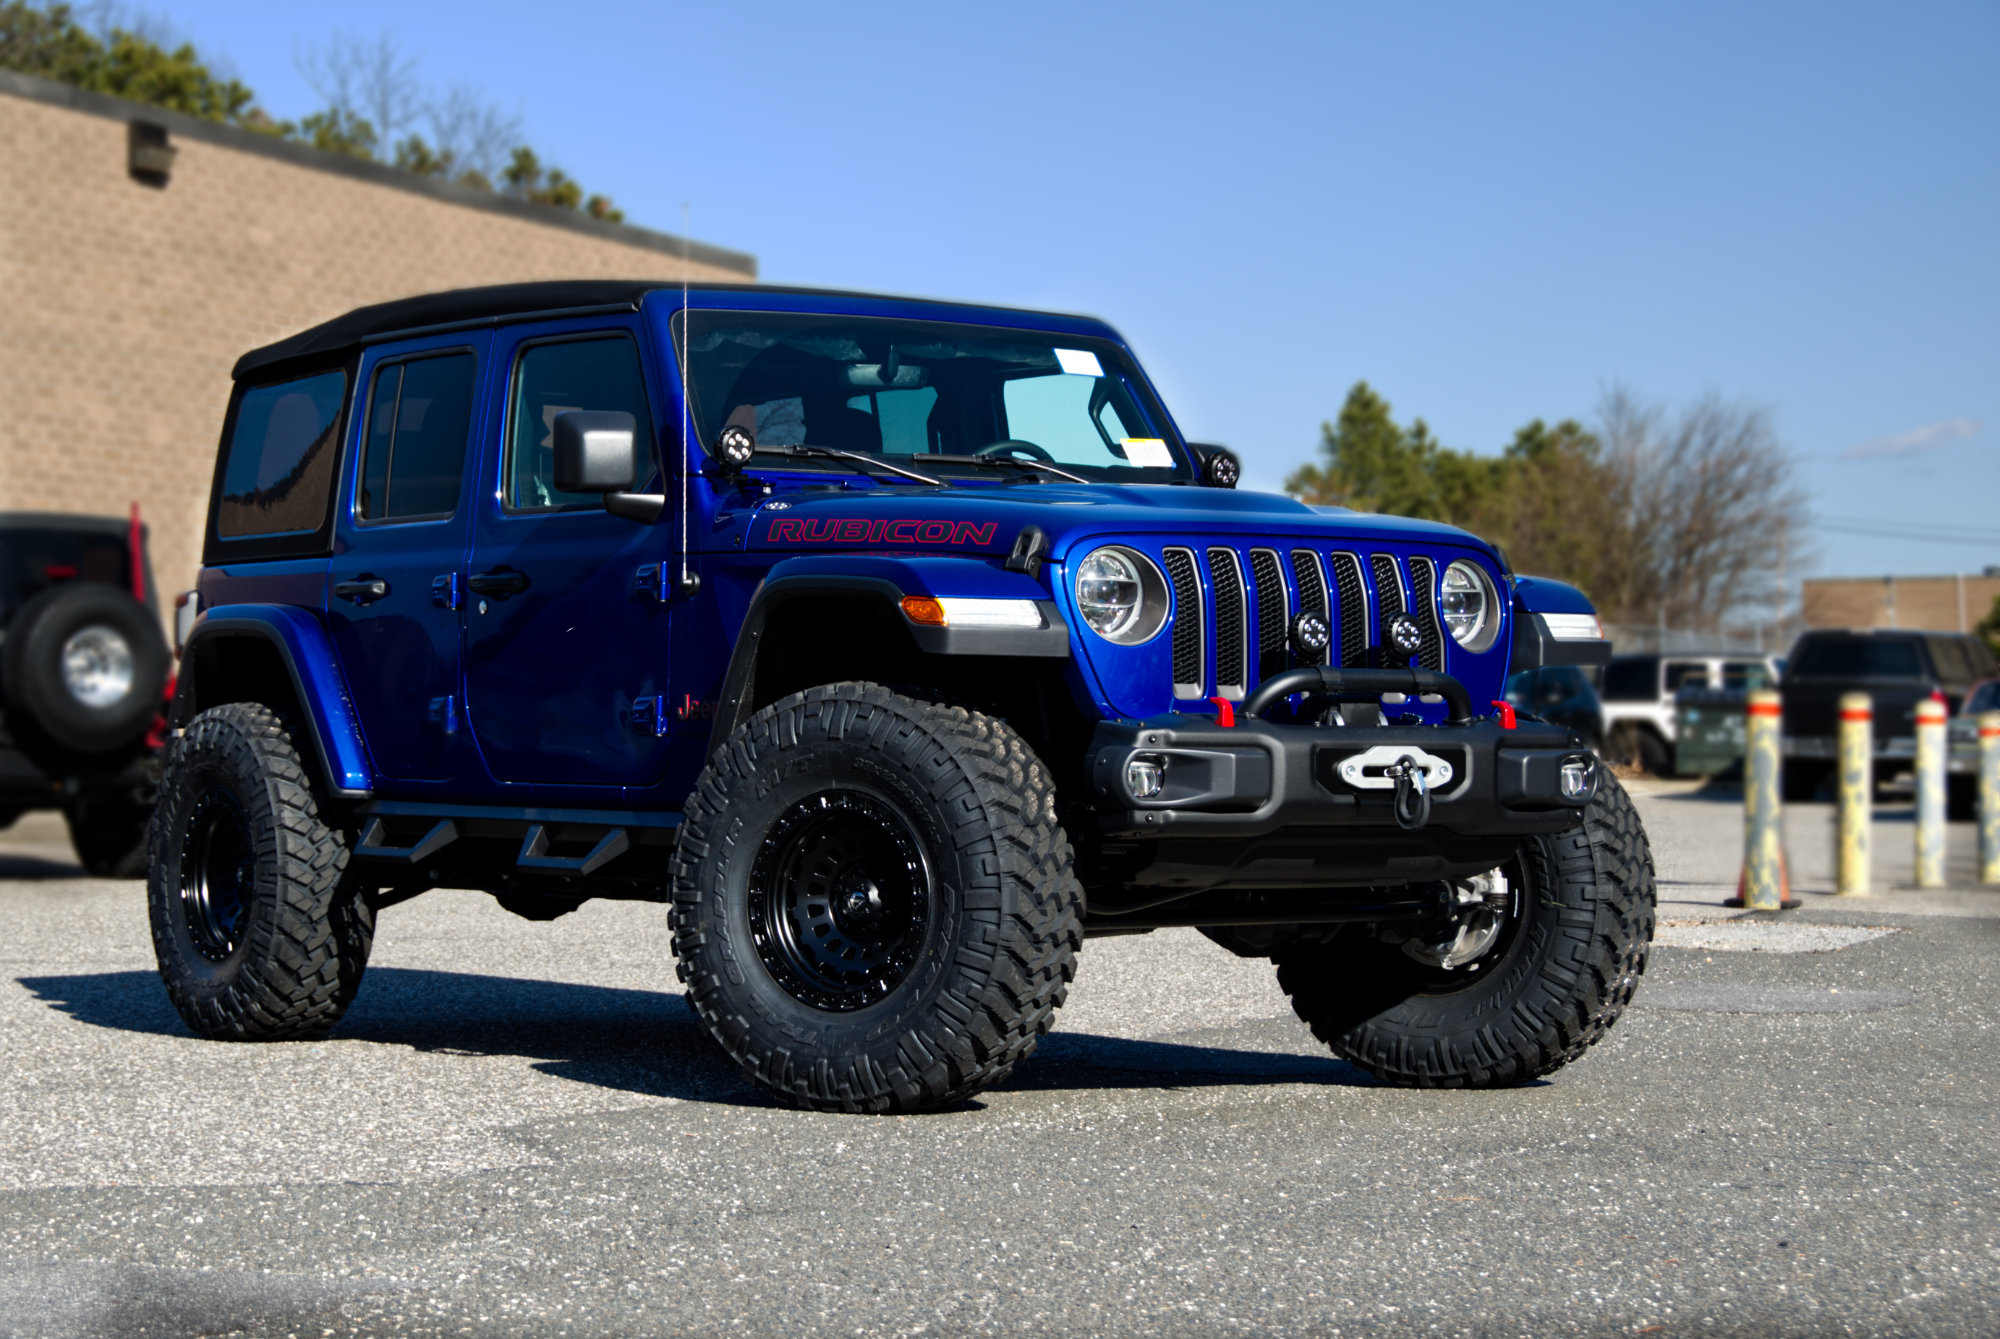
x=97, y=667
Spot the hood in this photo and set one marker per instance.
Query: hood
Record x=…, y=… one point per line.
x=982, y=518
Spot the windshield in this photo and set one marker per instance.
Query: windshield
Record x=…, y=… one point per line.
x=911, y=391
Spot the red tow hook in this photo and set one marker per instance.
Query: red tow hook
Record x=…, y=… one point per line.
x=1225, y=715
x=1506, y=713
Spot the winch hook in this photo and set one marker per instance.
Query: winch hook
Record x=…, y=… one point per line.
x=1413, y=793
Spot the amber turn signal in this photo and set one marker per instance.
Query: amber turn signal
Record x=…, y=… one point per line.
x=923, y=609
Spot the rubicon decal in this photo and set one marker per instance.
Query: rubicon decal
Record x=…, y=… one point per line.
x=879, y=530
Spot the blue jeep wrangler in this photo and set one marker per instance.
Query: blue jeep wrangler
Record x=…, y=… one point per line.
x=899, y=647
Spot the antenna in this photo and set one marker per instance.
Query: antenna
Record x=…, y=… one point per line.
x=687, y=411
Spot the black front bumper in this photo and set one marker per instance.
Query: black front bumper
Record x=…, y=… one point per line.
x=1255, y=779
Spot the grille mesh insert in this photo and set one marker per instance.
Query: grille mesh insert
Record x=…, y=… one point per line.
x=1312, y=589
x=1225, y=581
x=1188, y=631
x=1272, y=624
x=1423, y=582
x=1353, y=609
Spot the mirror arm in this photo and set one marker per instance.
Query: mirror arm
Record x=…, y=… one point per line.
x=645, y=508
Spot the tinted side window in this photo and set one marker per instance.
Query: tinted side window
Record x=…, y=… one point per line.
x=418, y=416
x=279, y=473
x=1948, y=659
x=1634, y=680
x=551, y=379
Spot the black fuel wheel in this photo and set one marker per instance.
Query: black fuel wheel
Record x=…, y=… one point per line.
x=259, y=934
x=1524, y=982
x=874, y=908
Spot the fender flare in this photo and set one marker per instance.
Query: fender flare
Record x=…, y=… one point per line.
x=889, y=580
x=1534, y=645
x=317, y=686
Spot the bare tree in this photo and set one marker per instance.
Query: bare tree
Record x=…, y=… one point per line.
x=471, y=133
x=1711, y=504
x=372, y=81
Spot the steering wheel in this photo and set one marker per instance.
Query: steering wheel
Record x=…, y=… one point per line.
x=1014, y=446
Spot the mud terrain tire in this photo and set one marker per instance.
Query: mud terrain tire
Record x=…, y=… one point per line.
x=873, y=904
x=1549, y=991
x=259, y=933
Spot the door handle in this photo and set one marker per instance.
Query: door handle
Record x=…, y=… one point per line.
x=362, y=590
x=499, y=583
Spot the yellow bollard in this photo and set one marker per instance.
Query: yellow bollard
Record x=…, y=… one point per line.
x=1989, y=797
x=1763, y=883
x=1857, y=786
x=1930, y=793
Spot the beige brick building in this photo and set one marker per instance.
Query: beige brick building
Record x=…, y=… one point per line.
x=124, y=299
x=1943, y=603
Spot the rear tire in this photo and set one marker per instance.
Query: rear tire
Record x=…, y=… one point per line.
x=1802, y=780
x=259, y=933
x=1556, y=980
x=109, y=835
x=1961, y=798
x=873, y=904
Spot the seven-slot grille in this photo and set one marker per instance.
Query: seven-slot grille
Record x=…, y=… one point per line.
x=1233, y=609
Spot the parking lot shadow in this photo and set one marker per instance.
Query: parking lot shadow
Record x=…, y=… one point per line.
x=650, y=1042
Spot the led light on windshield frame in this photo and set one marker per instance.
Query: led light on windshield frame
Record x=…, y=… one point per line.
x=969, y=613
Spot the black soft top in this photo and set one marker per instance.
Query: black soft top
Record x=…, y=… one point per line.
x=455, y=307
x=466, y=308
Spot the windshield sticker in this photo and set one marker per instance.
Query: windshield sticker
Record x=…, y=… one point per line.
x=1148, y=453
x=1079, y=362
x=878, y=530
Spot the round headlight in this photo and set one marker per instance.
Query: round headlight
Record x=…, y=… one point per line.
x=1467, y=603
x=1121, y=596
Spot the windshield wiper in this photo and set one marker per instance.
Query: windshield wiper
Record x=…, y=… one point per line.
x=1021, y=461
x=858, y=457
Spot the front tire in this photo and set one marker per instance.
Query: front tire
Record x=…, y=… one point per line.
x=260, y=935
x=873, y=904
x=1555, y=981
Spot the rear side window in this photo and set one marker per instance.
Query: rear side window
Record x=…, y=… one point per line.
x=277, y=477
x=419, y=413
x=1686, y=674
x=1746, y=674
x=1636, y=680
x=597, y=373
x=1856, y=657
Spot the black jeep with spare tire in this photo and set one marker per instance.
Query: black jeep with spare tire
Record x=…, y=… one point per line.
x=83, y=668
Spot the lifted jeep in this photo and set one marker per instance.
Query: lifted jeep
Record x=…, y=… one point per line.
x=899, y=646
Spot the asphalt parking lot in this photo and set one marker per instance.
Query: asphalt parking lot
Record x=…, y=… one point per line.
x=519, y=1129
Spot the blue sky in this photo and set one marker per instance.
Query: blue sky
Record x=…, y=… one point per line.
x=1491, y=213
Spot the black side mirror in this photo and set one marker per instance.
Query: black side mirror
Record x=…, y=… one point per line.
x=1216, y=466
x=596, y=451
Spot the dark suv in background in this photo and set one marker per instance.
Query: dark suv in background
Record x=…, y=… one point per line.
x=1898, y=669
x=83, y=669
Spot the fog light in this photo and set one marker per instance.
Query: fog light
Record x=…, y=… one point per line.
x=1578, y=776
x=1145, y=775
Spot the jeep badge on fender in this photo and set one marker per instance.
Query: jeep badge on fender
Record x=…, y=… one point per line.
x=899, y=646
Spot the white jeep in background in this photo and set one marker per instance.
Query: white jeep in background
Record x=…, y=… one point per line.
x=1638, y=694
